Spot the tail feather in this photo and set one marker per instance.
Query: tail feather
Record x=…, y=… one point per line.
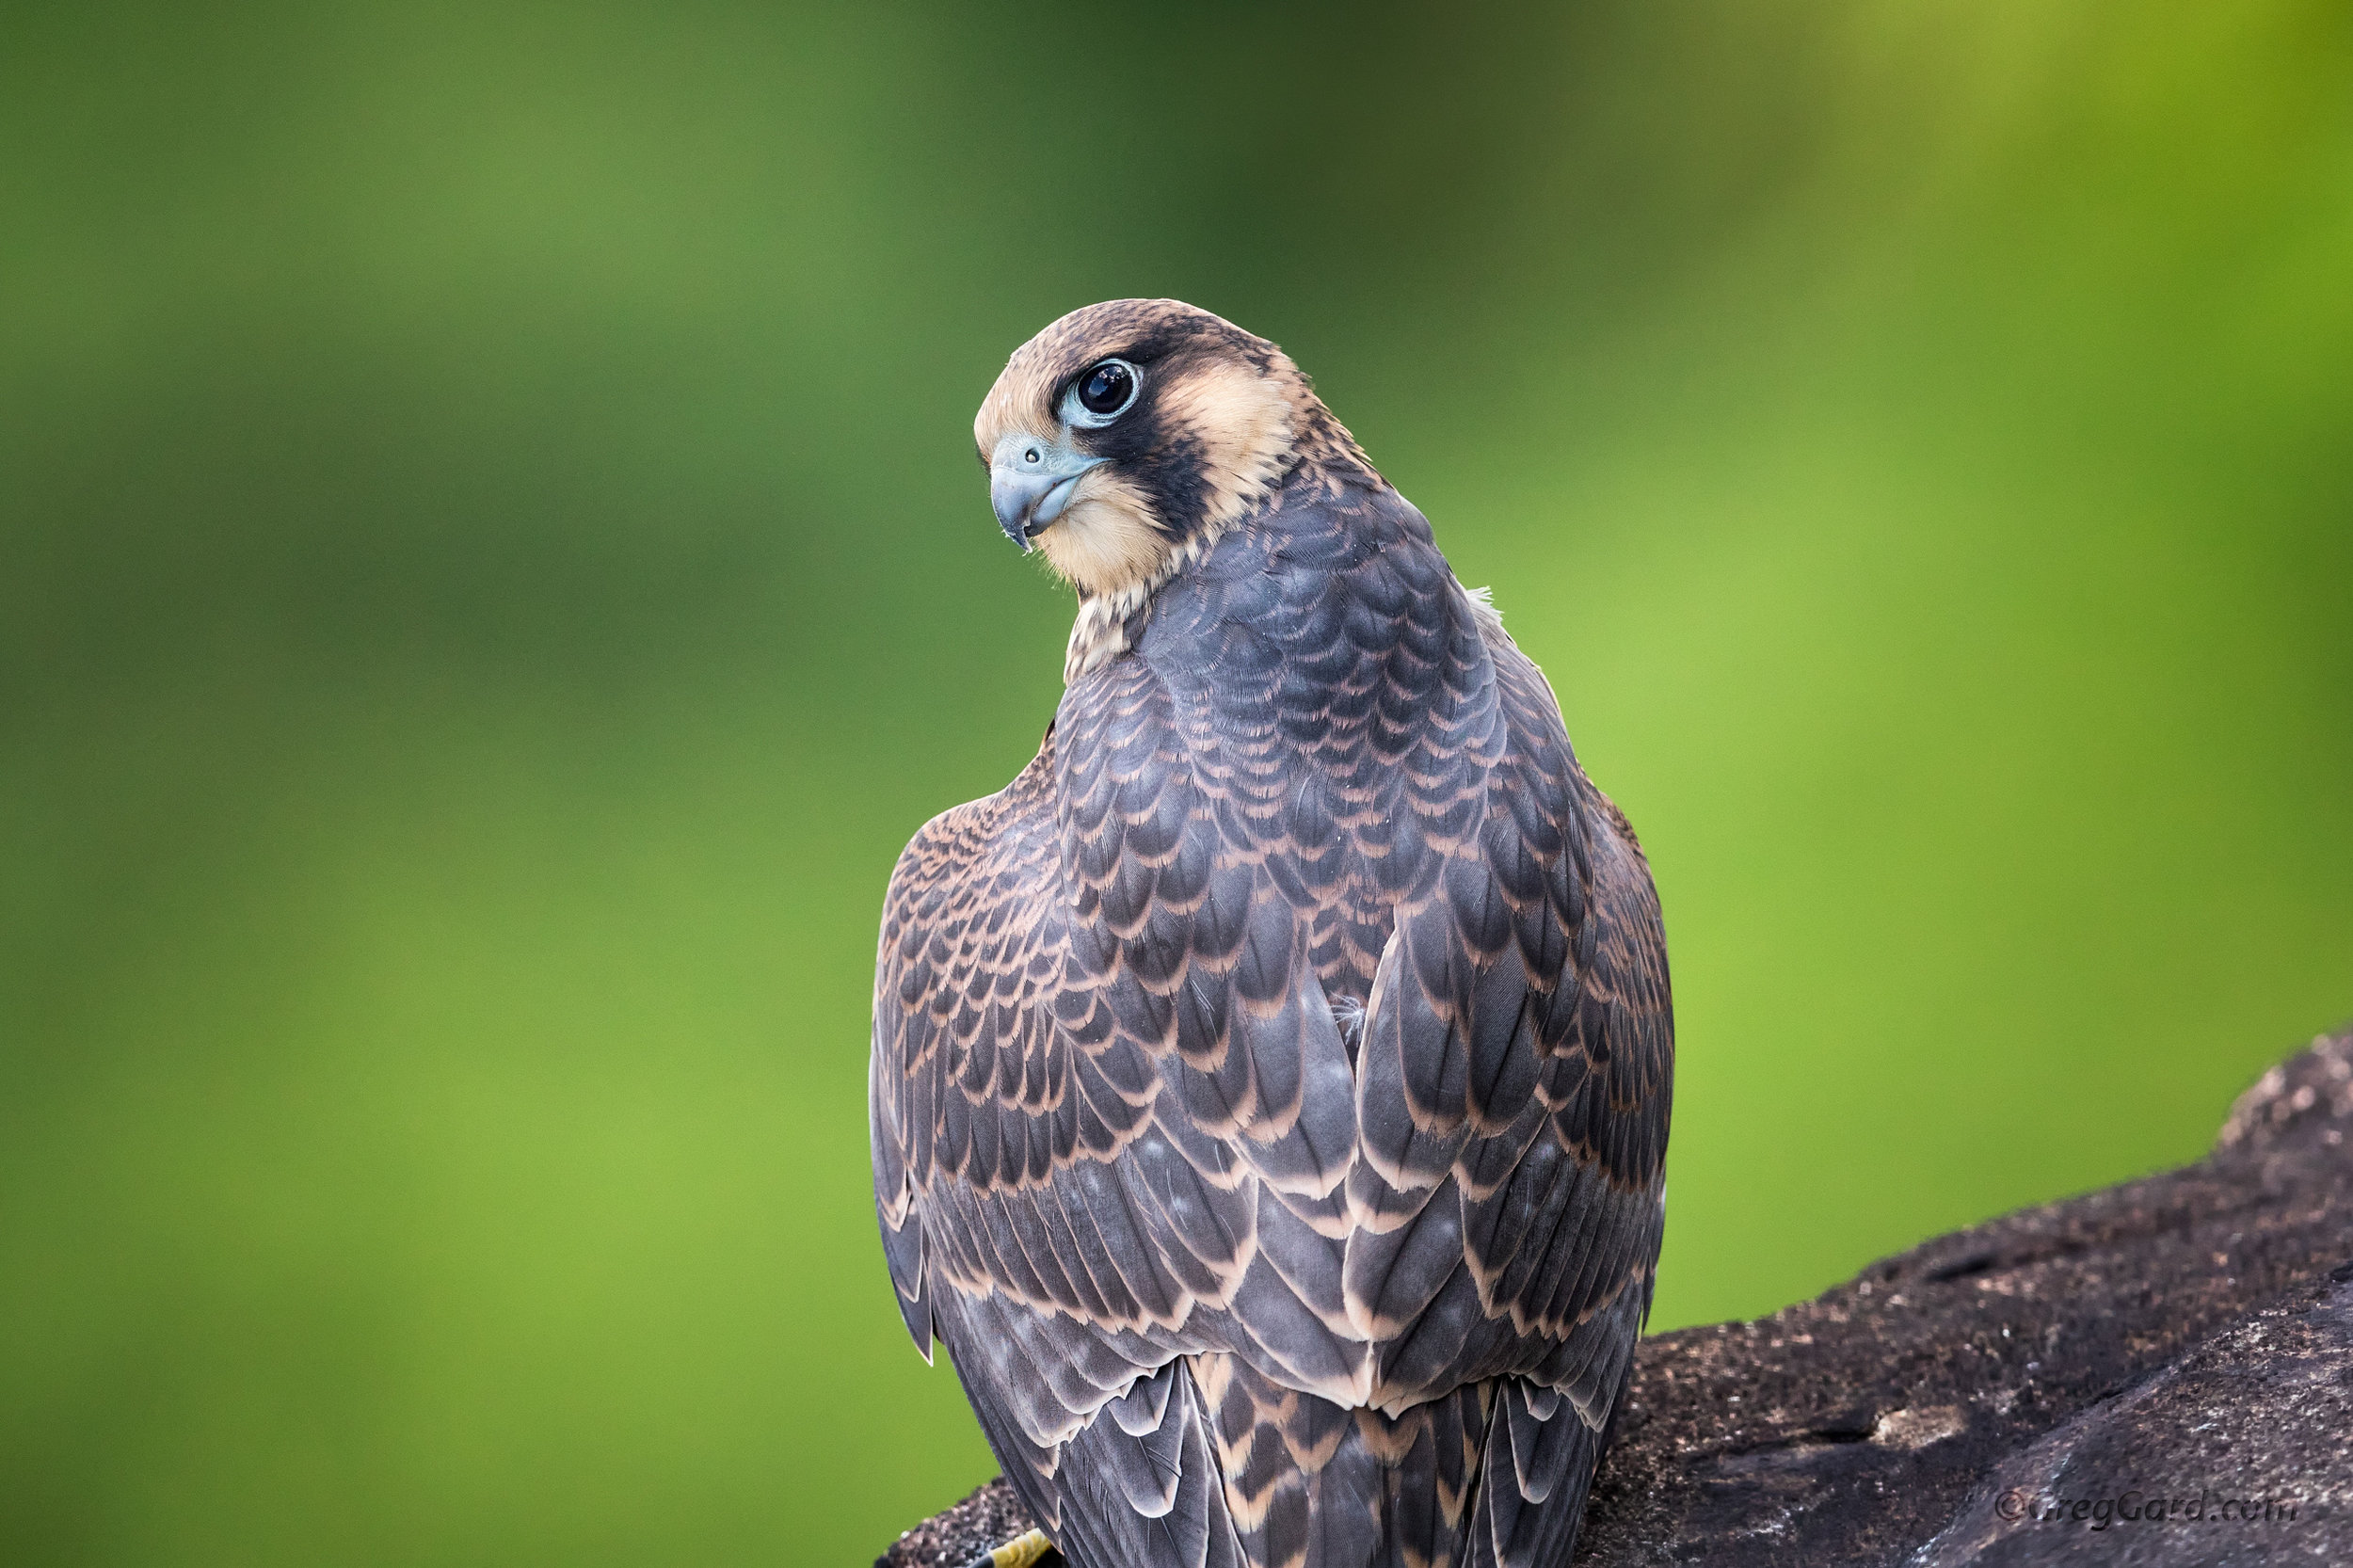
x=1140, y=1483
x=1539, y=1456
x=1495, y=1473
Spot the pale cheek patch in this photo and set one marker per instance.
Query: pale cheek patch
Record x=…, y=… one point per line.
x=1108, y=539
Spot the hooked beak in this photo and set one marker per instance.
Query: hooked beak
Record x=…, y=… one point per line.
x=1031, y=481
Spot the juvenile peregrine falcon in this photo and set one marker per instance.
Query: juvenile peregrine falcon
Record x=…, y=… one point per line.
x=1270, y=1085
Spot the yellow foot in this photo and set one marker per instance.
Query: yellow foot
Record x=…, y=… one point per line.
x=1021, y=1551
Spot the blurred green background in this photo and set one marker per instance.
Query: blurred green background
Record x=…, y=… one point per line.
x=493, y=569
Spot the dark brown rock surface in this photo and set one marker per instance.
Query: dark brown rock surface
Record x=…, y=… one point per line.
x=2013, y=1393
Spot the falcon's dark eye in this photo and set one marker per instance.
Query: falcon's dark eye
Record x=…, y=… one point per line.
x=1107, y=388
x=1103, y=394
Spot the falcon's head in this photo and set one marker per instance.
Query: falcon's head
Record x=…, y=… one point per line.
x=1127, y=430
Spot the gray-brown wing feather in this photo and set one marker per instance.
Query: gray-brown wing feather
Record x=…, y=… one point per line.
x=1297, y=1021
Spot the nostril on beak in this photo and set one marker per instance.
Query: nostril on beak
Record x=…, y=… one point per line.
x=1031, y=478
